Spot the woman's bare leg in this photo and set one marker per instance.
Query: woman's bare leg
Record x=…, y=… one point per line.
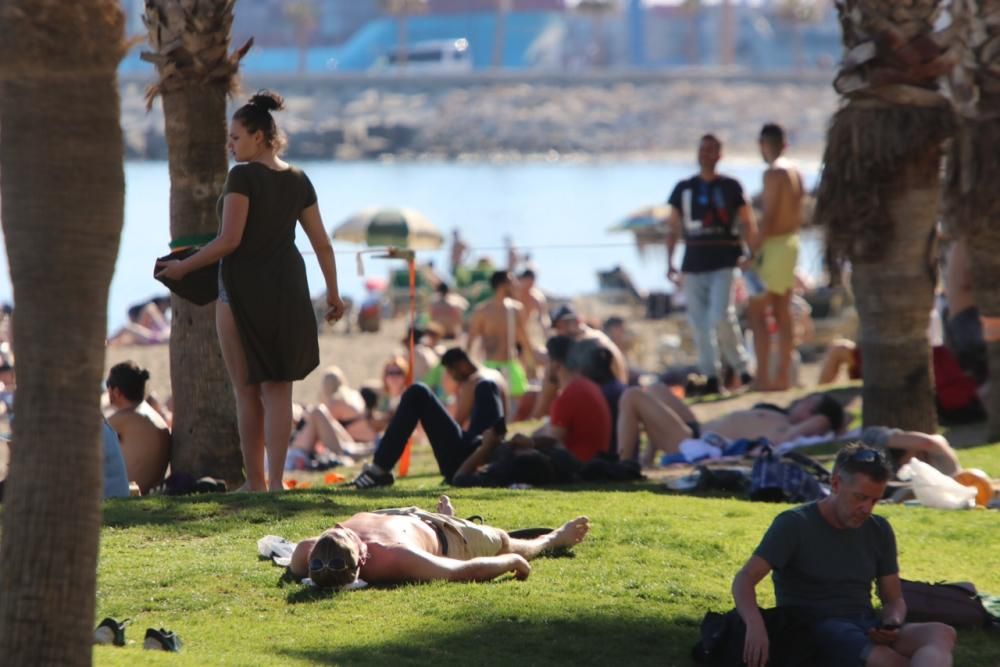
x=277, y=398
x=249, y=410
x=839, y=354
x=662, y=393
x=664, y=428
x=334, y=436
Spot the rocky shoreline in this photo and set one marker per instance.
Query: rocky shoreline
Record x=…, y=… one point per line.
x=502, y=117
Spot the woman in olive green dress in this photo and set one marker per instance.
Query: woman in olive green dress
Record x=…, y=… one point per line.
x=264, y=315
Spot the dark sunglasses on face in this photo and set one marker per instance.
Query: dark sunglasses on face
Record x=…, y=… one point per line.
x=867, y=456
x=395, y=372
x=334, y=565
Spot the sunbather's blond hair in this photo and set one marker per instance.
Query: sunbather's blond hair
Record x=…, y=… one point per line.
x=332, y=547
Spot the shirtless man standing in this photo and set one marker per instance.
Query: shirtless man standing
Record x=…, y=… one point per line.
x=536, y=308
x=500, y=324
x=775, y=253
x=144, y=436
x=448, y=310
x=408, y=544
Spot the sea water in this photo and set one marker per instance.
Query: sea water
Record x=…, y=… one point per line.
x=559, y=211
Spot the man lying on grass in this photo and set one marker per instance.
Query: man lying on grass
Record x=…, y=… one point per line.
x=410, y=545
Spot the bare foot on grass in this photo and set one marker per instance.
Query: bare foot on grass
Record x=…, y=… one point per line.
x=445, y=507
x=570, y=533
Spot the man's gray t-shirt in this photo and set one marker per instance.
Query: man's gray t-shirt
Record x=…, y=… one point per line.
x=827, y=570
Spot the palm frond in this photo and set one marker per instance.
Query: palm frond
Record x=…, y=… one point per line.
x=189, y=42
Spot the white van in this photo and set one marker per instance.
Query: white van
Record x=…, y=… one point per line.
x=445, y=56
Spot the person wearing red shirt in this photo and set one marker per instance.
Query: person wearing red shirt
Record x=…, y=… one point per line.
x=579, y=417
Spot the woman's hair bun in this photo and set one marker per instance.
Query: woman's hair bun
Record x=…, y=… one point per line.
x=144, y=375
x=267, y=100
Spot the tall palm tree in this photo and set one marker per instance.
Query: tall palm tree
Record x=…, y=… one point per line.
x=797, y=13
x=973, y=207
x=500, y=31
x=598, y=10
x=62, y=185
x=189, y=42
x=304, y=17
x=692, y=36
x=402, y=10
x=880, y=192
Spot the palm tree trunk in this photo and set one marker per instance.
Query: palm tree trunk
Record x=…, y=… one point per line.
x=894, y=296
x=63, y=188
x=190, y=43
x=984, y=262
x=878, y=197
x=403, y=32
x=973, y=171
x=205, y=438
x=974, y=211
x=500, y=32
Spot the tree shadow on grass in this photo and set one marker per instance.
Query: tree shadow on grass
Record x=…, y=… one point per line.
x=586, y=638
x=258, y=508
x=583, y=639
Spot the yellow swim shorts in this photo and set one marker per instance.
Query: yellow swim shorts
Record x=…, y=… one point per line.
x=775, y=263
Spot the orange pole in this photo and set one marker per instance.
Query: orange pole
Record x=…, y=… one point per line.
x=404, y=462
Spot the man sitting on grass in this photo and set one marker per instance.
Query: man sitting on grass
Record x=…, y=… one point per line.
x=825, y=556
x=411, y=545
x=479, y=404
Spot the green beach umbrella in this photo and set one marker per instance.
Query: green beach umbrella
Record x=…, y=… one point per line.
x=648, y=224
x=388, y=226
x=646, y=219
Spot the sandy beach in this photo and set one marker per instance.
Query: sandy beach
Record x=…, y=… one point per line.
x=361, y=355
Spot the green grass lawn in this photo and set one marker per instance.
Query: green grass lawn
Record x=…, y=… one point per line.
x=632, y=593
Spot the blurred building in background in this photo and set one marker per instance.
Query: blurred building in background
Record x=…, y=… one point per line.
x=323, y=36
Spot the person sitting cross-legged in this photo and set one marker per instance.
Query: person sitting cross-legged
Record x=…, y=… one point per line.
x=825, y=556
x=479, y=406
x=407, y=544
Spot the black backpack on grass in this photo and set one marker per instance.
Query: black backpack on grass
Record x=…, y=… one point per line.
x=788, y=633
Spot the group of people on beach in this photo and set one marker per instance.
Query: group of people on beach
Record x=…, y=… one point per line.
x=483, y=367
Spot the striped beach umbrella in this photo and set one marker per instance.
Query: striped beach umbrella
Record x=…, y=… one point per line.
x=389, y=226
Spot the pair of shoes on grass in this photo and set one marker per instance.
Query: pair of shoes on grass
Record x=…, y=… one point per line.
x=110, y=631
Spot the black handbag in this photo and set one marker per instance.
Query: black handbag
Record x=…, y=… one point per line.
x=200, y=287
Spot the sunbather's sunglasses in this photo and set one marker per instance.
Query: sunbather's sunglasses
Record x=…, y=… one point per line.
x=867, y=456
x=334, y=565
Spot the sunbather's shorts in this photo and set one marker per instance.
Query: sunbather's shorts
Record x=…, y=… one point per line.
x=460, y=539
x=878, y=436
x=844, y=641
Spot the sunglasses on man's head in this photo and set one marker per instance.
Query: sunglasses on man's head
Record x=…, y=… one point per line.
x=334, y=565
x=867, y=456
